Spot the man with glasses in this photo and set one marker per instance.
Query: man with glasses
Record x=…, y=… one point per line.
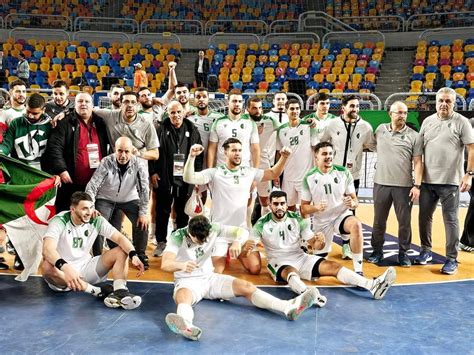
x=399, y=149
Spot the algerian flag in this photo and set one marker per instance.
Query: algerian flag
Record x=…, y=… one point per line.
x=26, y=204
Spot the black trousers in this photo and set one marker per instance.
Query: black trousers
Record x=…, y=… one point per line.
x=467, y=237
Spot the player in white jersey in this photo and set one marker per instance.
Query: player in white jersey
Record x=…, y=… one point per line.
x=329, y=195
x=300, y=137
x=234, y=126
x=285, y=235
x=68, y=264
x=267, y=128
x=188, y=254
x=17, y=108
x=204, y=118
x=230, y=187
x=321, y=115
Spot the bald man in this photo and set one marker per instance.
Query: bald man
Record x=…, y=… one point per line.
x=120, y=183
x=399, y=149
x=75, y=147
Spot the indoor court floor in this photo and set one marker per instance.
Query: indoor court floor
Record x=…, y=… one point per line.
x=424, y=313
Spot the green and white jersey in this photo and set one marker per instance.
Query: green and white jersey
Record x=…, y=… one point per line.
x=204, y=124
x=300, y=139
x=332, y=187
x=154, y=116
x=7, y=115
x=281, y=239
x=75, y=241
x=180, y=244
x=244, y=129
x=266, y=127
x=26, y=141
x=321, y=124
x=230, y=191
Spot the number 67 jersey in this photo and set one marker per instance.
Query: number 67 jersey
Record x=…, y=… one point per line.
x=75, y=241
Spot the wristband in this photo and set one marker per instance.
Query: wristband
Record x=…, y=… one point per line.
x=132, y=254
x=60, y=263
x=417, y=186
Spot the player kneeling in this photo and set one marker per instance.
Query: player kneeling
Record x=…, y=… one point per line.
x=188, y=254
x=68, y=264
x=283, y=233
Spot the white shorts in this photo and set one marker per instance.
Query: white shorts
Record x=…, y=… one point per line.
x=302, y=262
x=293, y=190
x=329, y=229
x=211, y=287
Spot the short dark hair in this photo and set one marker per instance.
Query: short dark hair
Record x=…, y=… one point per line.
x=142, y=88
x=346, y=99
x=321, y=145
x=59, y=84
x=17, y=82
x=35, y=101
x=201, y=88
x=322, y=96
x=230, y=141
x=180, y=84
x=253, y=99
x=235, y=92
x=125, y=93
x=79, y=196
x=277, y=194
x=292, y=102
x=199, y=227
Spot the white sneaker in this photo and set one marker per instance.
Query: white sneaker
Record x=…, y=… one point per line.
x=299, y=304
x=383, y=283
x=319, y=300
x=160, y=248
x=178, y=325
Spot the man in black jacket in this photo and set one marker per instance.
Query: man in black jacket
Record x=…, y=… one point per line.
x=75, y=148
x=201, y=70
x=176, y=136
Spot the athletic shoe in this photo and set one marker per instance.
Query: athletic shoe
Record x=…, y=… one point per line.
x=18, y=264
x=375, y=258
x=160, y=248
x=450, y=267
x=10, y=248
x=319, y=300
x=383, y=283
x=404, y=260
x=424, y=257
x=178, y=325
x=3, y=266
x=467, y=248
x=105, y=290
x=299, y=304
x=346, y=251
x=122, y=298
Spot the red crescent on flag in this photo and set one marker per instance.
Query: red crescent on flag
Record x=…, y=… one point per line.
x=34, y=195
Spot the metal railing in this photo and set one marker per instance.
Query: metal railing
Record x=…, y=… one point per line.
x=423, y=101
x=375, y=36
x=284, y=26
x=442, y=19
x=239, y=26
x=312, y=21
x=447, y=33
x=292, y=37
x=150, y=38
x=471, y=105
x=390, y=23
x=101, y=36
x=38, y=21
x=368, y=101
x=189, y=27
x=107, y=24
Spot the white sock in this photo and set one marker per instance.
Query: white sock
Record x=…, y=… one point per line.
x=349, y=277
x=93, y=290
x=186, y=311
x=264, y=210
x=357, y=262
x=295, y=283
x=264, y=300
x=120, y=284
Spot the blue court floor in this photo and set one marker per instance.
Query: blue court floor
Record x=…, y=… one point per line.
x=415, y=319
